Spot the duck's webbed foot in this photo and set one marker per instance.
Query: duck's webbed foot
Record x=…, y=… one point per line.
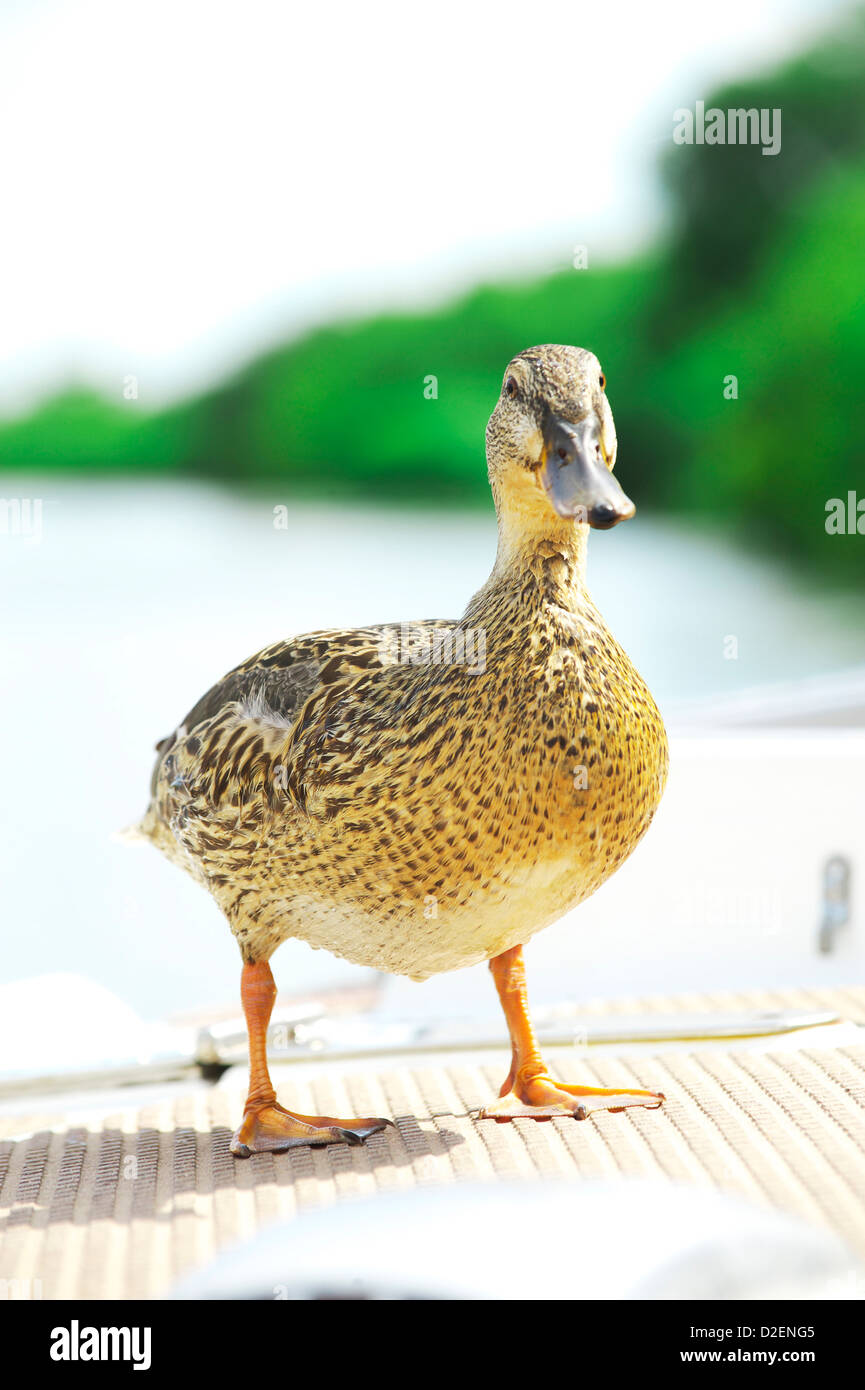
x=269, y=1128
x=529, y=1089
x=540, y=1097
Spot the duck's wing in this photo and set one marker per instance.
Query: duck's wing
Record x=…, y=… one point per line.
x=236, y=742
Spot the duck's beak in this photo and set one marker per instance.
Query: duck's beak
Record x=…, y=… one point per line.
x=575, y=476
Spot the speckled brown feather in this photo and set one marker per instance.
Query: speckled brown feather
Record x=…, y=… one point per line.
x=419, y=818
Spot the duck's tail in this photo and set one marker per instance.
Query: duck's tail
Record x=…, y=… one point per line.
x=139, y=832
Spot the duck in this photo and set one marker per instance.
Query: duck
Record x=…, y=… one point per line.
x=423, y=797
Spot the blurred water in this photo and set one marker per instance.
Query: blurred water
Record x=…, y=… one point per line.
x=137, y=596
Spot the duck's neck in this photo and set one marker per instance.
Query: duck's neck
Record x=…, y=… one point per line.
x=542, y=566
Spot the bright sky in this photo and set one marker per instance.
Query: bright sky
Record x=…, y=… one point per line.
x=186, y=180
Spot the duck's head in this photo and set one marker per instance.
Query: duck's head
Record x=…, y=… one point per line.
x=551, y=443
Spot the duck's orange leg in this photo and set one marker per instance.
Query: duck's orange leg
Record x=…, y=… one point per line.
x=529, y=1089
x=267, y=1127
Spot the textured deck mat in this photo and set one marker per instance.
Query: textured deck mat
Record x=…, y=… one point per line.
x=123, y=1206
x=848, y=1003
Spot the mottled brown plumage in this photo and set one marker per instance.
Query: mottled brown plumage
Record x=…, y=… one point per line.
x=419, y=816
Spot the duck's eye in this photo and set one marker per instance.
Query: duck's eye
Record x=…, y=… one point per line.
x=511, y=387
x=602, y=381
